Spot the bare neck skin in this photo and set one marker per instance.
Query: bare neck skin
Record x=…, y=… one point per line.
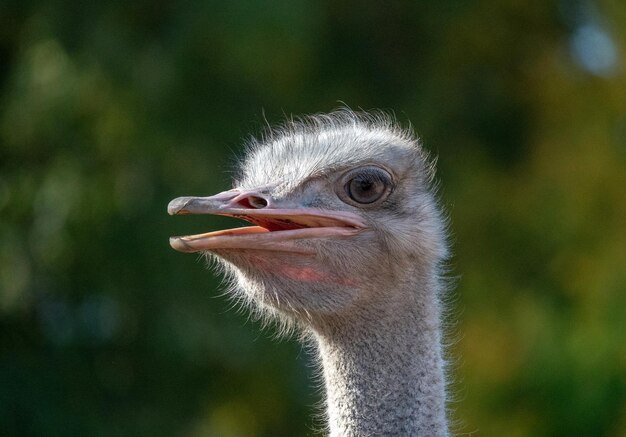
x=383, y=370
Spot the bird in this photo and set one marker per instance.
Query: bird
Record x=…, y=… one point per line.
x=347, y=246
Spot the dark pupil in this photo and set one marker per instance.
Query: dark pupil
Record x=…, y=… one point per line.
x=366, y=188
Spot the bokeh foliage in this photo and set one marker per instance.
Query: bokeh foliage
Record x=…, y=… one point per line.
x=110, y=109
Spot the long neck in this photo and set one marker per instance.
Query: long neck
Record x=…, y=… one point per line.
x=384, y=371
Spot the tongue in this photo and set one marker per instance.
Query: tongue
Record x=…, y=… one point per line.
x=273, y=225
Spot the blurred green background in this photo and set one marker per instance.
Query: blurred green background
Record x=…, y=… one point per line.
x=110, y=109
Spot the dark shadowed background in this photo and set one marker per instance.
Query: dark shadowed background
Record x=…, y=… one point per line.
x=110, y=109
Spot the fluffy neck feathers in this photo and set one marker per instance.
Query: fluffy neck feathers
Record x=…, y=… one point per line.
x=384, y=371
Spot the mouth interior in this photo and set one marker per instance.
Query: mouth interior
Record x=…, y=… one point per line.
x=276, y=223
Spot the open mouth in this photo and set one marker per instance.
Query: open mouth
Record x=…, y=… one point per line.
x=274, y=229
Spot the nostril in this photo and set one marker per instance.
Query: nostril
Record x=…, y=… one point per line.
x=257, y=202
x=254, y=202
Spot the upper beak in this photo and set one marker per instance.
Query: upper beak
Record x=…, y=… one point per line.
x=203, y=205
x=276, y=228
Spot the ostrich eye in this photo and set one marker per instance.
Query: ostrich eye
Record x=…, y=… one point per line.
x=367, y=185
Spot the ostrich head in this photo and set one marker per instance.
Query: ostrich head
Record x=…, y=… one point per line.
x=343, y=216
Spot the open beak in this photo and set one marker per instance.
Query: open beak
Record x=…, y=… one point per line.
x=275, y=228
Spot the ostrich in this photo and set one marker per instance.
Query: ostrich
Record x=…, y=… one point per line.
x=346, y=247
